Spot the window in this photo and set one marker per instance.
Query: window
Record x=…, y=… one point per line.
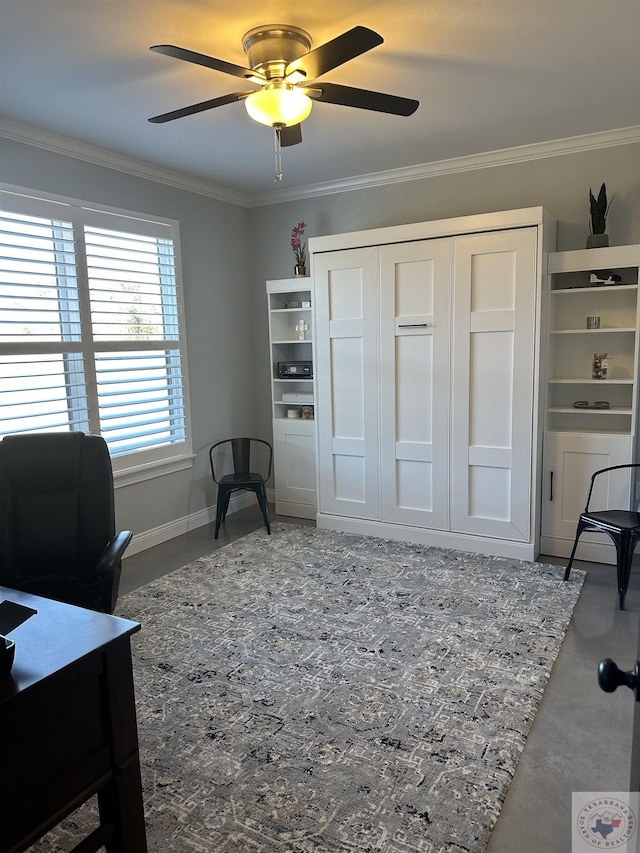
x=91, y=336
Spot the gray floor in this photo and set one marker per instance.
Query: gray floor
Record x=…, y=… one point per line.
x=581, y=736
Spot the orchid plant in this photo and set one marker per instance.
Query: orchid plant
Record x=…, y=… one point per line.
x=299, y=249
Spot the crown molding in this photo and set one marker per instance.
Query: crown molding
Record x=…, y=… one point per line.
x=57, y=144
x=520, y=154
x=501, y=157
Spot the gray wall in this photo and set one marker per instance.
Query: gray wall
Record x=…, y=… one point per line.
x=228, y=253
x=560, y=184
x=215, y=265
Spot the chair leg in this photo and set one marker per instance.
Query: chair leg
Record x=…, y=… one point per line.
x=625, y=548
x=221, y=508
x=573, y=551
x=262, y=500
x=225, y=504
x=624, y=570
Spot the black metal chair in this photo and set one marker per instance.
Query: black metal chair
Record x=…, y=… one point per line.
x=623, y=526
x=57, y=519
x=238, y=455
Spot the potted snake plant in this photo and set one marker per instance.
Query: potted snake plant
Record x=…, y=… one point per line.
x=598, y=222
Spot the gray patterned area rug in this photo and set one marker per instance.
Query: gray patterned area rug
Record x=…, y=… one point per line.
x=321, y=692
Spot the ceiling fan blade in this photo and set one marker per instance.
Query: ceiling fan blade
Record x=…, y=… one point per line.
x=363, y=99
x=207, y=61
x=201, y=107
x=291, y=135
x=335, y=52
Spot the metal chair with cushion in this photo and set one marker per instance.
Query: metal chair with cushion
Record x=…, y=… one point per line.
x=57, y=519
x=622, y=525
x=231, y=462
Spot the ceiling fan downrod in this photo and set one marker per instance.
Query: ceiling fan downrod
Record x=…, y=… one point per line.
x=277, y=131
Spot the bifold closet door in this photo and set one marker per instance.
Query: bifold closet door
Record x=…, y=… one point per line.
x=493, y=383
x=414, y=382
x=346, y=363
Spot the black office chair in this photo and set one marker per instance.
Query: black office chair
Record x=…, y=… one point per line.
x=623, y=526
x=57, y=519
x=234, y=458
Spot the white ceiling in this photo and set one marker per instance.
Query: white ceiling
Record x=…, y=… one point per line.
x=489, y=75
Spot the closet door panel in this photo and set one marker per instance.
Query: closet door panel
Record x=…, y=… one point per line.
x=569, y=461
x=346, y=309
x=414, y=366
x=294, y=452
x=492, y=378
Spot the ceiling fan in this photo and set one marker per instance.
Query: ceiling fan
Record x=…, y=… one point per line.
x=285, y=68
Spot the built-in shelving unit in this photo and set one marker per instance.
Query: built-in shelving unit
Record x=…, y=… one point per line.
x=292, y=395
x=290, y=330
x=590, y=422
x=573, y=299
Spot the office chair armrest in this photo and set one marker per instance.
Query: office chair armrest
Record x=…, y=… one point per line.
x=112, y=554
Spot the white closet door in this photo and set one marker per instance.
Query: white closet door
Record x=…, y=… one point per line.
x=346, y=314
x=492, y=380
x=414, y=374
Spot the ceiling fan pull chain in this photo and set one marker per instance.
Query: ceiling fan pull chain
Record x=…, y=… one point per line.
x=278, y=144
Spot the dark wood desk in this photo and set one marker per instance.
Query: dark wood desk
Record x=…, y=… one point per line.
x=68, y=728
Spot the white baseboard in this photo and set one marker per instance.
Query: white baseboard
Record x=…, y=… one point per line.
x=590, y=551
x=158, y=535
x=295, y=509
x=428, y=536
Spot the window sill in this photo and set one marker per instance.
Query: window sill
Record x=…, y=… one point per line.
x=152, y=470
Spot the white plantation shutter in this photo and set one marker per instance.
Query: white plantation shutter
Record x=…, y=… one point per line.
x=140, y=398
x=42, y=392
x=91, y=336
x=39, y=280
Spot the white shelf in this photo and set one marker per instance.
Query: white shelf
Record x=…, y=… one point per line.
x=601, y=382
x=572, y=410
x=601, y=331
x=586, y=260
x=605, y=288
x=290, y=285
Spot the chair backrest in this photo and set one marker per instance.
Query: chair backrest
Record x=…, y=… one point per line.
x=239, y=456
x=56, y=504
x=606, y=471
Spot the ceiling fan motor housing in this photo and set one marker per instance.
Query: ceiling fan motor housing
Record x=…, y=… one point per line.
x=270, y=48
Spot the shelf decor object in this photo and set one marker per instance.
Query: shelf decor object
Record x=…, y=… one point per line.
x=599, y=365
x=599, y=211
x=299, y=248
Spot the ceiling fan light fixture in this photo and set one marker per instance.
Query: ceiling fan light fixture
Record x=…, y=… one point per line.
x=278, y=104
